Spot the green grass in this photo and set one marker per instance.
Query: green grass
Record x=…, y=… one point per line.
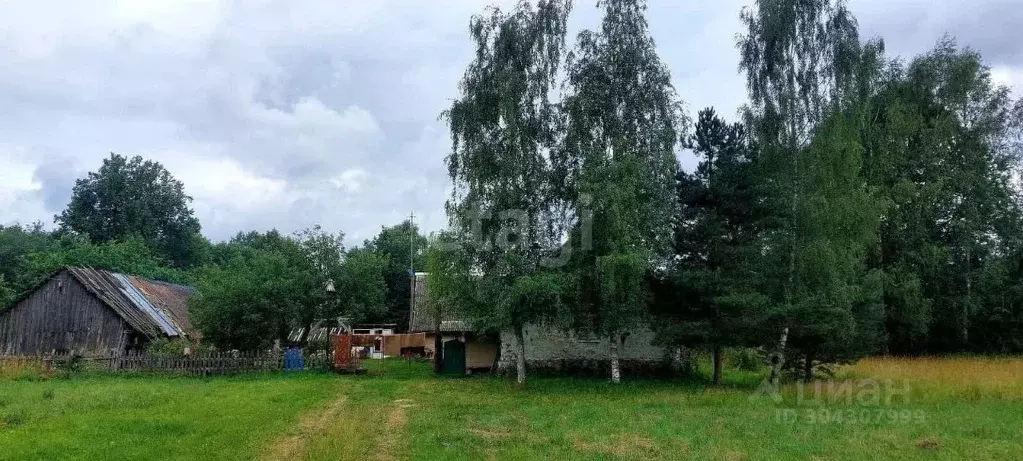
x=404, y=412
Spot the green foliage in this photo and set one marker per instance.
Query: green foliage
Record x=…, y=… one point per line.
x=136, y=196
x=361, y=286
x=266, y=288
x=452, y=290
x=623, y=122
x=17, y=243
x=805, y=68
x=7, y=293
x=941, y=147
x=746, y=359
x=69, y=367
x=504, y=204
x=264, y=285
x=716, y=242
x=402, y=245
x=129, y=256
x=14, y=418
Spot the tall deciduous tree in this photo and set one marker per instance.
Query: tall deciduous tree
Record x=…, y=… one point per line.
x=405, y=251
x=623, y=122
x=266, y=285
x=801, y=59
x=135, y=197
x=503, y=128
x=361, y=286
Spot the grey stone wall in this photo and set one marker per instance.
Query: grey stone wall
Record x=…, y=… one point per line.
x=552, y=350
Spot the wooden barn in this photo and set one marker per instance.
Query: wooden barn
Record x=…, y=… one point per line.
x=93, y=311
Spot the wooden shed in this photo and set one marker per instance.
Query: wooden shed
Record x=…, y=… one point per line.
x=480, y=351
x=95, y=311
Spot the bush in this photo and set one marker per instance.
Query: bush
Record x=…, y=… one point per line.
x=15, y=418
x=73, y=365
x=747, y=359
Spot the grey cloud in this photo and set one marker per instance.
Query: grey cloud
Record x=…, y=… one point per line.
x=56, y=177
x=263, y=108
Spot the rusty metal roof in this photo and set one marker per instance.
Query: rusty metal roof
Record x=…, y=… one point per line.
x=155, y=309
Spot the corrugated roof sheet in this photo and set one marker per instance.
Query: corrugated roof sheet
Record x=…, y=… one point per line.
x=155, y=309
x=322, y=329
x=421, y=319
x=170, y=299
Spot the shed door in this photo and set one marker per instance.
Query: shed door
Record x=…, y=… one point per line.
x=454, y=357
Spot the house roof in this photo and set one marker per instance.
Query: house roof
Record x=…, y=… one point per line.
x=421, y=319
x=155, y=309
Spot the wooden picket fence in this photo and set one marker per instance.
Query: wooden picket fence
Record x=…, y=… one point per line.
x=204, y=363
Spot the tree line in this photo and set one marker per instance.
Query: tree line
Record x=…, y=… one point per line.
x=131, y=216
x=858, y=204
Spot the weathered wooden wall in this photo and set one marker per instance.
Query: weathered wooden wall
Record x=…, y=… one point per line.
x=62, y=316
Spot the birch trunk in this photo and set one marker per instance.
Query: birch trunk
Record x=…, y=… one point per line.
x=779, y=358
x=616, y=371
x=676, y=359
x=520, y=357
x=964, y=332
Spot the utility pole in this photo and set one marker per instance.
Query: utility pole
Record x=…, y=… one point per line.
x=411, y=244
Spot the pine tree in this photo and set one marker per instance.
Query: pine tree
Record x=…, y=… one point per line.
x=715, y=244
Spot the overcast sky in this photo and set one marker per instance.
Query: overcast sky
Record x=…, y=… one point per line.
x=285, y=114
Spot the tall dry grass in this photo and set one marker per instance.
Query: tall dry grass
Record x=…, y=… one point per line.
x=16, y=368
x=971, y=378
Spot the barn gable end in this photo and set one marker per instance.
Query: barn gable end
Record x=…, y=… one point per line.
x=81, y=309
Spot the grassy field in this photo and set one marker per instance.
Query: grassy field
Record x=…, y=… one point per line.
x=927, y=409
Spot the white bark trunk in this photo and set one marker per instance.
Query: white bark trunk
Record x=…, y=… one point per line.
x=616, y=371
x=520, y=358
x=676, y=359
x=779, y=358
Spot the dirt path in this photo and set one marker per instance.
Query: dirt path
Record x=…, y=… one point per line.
x=311, y=426
x=396, y=420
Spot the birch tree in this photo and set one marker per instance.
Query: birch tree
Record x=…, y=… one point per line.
x=502, y=128
x=623, y=123
x=800, y=58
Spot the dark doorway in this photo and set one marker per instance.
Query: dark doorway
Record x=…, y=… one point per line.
x=454, y=357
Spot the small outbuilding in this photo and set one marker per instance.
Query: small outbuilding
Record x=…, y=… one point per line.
x=94, y=311
x=463, y=348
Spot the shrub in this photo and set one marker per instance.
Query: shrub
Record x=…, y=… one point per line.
x=15, y=418
x=74, y=365
x=747, y=359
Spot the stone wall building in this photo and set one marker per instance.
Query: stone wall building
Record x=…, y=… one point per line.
x=549, y=350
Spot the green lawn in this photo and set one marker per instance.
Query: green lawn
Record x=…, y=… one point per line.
x=404, y=412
